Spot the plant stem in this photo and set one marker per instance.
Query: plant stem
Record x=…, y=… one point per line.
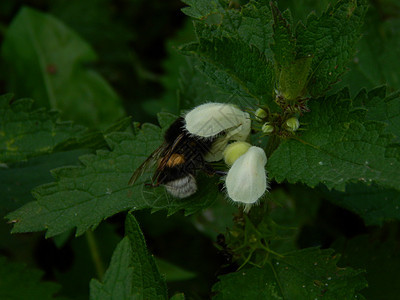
x=273, y=143
x=95, y=253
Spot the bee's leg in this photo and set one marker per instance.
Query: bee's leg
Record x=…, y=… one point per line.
x=221, y=173
x=209, y=170
x=152, y=185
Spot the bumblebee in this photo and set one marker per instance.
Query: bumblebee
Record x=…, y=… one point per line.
x=191, y=143
x=178, y=159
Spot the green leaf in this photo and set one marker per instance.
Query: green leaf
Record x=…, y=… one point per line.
x=82, y=196
x=133, y=273
x=376, y=62
x=19, y=282
x=200, y=9
x=303, y=274
x=25, y=133
x=374, y=204
x=17, y=182
x=57, y=78
x=338, y=145
x=381, y=107
x=178, y=296
x=252, y=24
x=284, y=46
x=173, y=272
x=244, y=64
x=378, y=254
x=330, y=39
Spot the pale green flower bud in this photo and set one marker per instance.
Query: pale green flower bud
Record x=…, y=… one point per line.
x=233, y=151
x=292, y=124
x=267, y=128
x=260, y=114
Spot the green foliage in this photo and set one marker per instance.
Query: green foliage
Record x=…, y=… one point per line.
x=303, y=274
x=375, y=62
x=246, y=66
x=338, y=146
x=335, y=177
x=374, y=204
x=19, y=282
x=25, y=133
x=375, y=252
x=330, y=39
x=57, y=78
x=133, y=273
x=102, y=182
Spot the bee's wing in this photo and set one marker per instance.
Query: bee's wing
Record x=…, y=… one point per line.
x=148, y=163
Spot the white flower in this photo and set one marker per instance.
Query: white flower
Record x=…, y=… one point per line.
x=212, y=119
x=246, y=181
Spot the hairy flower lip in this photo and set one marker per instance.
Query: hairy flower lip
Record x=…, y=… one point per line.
x=246, y=181
x=212, y=119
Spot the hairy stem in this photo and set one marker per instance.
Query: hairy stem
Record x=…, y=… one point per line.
x=273, y=143
x=95, y=253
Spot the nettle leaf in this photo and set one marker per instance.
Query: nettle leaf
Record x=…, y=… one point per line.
x=292, y=72
x=381, y=107
x=82, y=196
x=25, y=133
x=16, y=182
x=379, y=254
x=338, y=145
x=252, y=25
x=330, y=40
x=374, y=204
x=132, y=273
x=284, y=46
x=376, y=61
x=19, y=282
x=200, y=9
x=57, y=78
x=243, y=64
x=302, y=274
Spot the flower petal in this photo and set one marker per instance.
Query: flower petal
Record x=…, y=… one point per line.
x=246, y=181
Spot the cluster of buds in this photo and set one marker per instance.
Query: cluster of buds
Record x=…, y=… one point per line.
x=271, y=124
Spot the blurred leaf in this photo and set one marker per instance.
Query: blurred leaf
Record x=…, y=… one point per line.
x=338, y=146
x=304, y=274
x=132, y=272
x=25, y=133
x=17, y=182
x=376, y=62
x=374, y=204
x=101, y=26
x=173, y=66
x=178, y=296
x=379, y=254
x=215, y=219
x=19, y=282
x=74, y=280
x=101, y=182
x=46, y=61
x=172, y=272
